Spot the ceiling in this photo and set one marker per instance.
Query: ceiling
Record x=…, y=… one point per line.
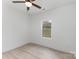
x=46, y=5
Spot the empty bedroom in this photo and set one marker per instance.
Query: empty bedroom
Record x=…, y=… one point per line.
x=38, y=29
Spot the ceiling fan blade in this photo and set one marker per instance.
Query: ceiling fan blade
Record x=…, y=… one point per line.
x=27, y=0
x=28, y=8
x=36, y=6
x=18, y=1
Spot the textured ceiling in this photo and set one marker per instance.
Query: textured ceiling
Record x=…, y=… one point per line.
x=46, y=4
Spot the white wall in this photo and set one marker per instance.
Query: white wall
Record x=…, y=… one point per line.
x=63, y=27
x=15, y=28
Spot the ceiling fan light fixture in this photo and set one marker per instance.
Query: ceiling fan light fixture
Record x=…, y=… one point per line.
x=28, y=4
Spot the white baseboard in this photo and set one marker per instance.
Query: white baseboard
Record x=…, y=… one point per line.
x=69, y=52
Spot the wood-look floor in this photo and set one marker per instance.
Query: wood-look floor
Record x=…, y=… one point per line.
x=32, y=51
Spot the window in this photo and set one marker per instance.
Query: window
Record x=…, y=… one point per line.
x=46, y=29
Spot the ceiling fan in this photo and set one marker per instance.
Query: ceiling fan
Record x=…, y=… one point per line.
x=28, y=3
